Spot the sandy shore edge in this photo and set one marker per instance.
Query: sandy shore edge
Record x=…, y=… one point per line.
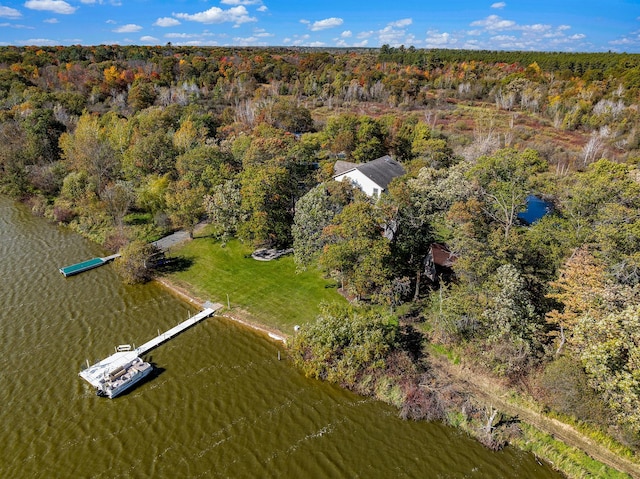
x=237, y=316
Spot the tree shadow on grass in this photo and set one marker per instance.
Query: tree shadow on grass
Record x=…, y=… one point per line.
x=199, y=236
x=174, y=265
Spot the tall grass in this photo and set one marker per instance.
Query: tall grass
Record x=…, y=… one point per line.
x=574, y=463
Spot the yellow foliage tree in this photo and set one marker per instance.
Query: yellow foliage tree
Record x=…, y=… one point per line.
x=581, y=289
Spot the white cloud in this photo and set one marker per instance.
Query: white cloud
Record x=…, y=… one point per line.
x=235, y=15
x=508, y=34
x=182, y=35
x=499, y=5
x=326, y=23
x=149, y=39
x=391, y=36
x=346, y=34
x=405, y=22
x=394, y=33
x=411, y=39
x=262, y=33
x=7, y=12
x=166, y=22
x=262, y=8
x=51, y=20
x=534, y=37
x=472, y=45
x=536, y=28
x=56, y=6
x=128, y=28
x=503, y=38
x=622, y=41
x=297, y=40
x=249, y=41
x=494, y=22
x=16, y=26
x=115, y=3
x=437, y=39
x=38, y=41
x=241, y=2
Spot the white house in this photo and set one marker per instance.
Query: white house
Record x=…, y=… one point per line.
x=372, y=177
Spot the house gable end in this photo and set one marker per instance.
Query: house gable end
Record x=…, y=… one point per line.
x=372, y=177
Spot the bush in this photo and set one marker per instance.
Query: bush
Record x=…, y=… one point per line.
x=563, y=386
x=345, y=343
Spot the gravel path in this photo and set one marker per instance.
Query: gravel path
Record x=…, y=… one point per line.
x=173, y=239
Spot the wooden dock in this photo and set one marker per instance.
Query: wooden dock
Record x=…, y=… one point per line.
x=205, y=313
x=96, y=373
x=86, y=265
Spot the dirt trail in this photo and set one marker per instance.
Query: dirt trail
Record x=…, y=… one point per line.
x=488, y=391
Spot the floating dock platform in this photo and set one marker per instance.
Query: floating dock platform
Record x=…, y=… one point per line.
x=86, y=265
x=101, y=374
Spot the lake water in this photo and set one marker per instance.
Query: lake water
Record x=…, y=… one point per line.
x=220, y=404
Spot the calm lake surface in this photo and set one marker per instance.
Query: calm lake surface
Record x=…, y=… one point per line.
x=221, y=404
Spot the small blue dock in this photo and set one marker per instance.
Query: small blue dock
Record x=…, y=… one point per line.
x=86, y=265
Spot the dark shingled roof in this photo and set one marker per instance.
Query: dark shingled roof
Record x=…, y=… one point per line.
x=342, y=166
x=382, y=170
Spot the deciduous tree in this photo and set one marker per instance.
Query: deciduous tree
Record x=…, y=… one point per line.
x=314, y=212
x=185, y=205
x=88, y=149
x=267, y=199
x=610, y=352
x=223, y=206
x=356, y=251
x=504, y=181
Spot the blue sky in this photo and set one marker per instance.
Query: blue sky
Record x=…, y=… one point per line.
x=560, y=25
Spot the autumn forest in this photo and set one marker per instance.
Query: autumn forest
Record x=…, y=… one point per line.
x=124, y=144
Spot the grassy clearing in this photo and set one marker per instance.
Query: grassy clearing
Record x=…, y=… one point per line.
x=574, y=463
x=270, y=291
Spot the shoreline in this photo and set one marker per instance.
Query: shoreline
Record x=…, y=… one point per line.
x=187, y=296
x=584, y=444
x=567, y=434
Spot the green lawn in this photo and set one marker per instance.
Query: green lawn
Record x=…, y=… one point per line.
x=270, y=291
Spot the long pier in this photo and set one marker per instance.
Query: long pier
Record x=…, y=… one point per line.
x=158, y=340
x=125, y=355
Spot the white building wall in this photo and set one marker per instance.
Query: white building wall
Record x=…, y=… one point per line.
x=361, y=181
